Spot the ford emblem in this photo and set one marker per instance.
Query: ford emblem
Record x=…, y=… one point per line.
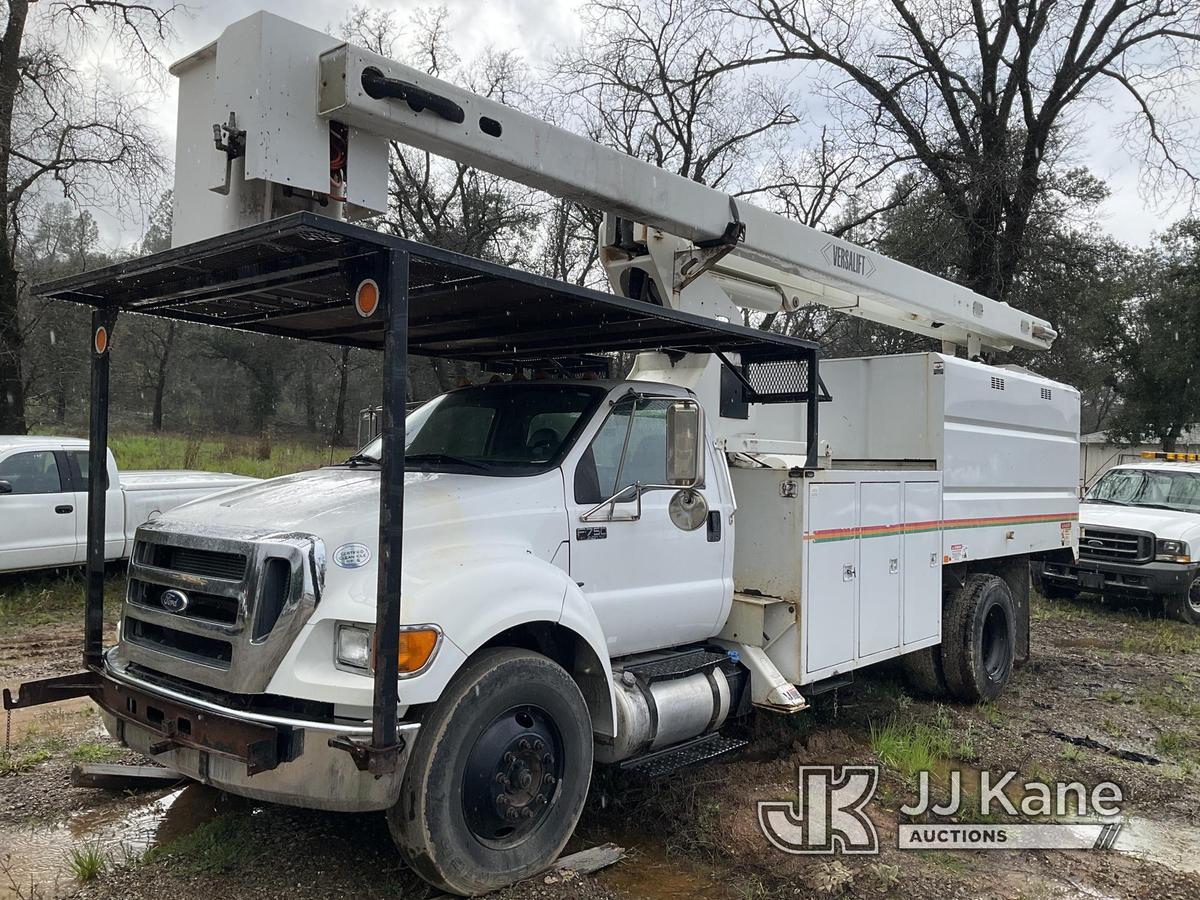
x=352, y=556
x=174, y=601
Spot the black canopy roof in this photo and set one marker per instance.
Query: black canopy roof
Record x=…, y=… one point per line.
x=295, y=277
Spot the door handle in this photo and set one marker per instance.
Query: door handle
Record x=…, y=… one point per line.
x=64, y=509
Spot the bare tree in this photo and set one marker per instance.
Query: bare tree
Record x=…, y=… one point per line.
x=648, y=79
x=438, y=201
x=982, y=94
x=56, y=123
x=669, y=82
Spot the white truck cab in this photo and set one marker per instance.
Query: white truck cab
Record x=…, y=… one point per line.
x=1140, y=537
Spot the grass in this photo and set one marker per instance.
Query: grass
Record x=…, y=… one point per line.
x=94, y=752
x=87, y=861
x=1146, y=633
x=239, y=455
x=51, y=597
x=1172, y=744
x=218, y=845
x=911, y=747
x=13, y=762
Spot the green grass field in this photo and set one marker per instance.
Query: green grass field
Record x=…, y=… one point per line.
x=239, y=455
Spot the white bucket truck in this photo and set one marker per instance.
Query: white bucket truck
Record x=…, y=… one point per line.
x=592, y=570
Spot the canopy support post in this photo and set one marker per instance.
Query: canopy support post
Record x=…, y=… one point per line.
x=97, y=488
x=382, y=755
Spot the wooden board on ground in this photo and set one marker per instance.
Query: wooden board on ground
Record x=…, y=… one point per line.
x=123, y=778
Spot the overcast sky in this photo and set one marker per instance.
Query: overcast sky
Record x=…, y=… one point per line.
x=536, y=28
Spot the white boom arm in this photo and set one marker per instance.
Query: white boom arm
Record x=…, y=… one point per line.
x=779, y=261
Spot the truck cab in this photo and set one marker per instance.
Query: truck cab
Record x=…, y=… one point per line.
x=1139, y=534
x=525, y=501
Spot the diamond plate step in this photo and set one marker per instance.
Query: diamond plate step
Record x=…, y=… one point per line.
x=699, y=750
x=677, y=665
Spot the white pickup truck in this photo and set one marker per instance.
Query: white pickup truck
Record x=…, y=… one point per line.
x=1139, y=538
x=43, y=501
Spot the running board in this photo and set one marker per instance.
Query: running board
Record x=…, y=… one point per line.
x=695, y=752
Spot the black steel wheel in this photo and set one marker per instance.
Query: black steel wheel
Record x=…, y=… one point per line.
x=979, y=638
x=511, y=776
x=497, y=776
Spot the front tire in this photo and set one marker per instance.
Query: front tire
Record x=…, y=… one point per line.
x=498, y=774
x=979, y=639
x=1186, y=607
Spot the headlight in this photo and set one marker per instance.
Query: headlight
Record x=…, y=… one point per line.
x=355, y=648
x=1172, y=551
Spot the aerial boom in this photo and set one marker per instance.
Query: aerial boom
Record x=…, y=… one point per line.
x=366, y=99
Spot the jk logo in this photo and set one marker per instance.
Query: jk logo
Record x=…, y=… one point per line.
x=828, y=816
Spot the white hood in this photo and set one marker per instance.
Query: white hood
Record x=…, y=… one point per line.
x=341, y=505
x=1168, y=524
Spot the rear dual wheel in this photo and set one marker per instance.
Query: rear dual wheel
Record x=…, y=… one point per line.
x=978, y=651
x=498, y=774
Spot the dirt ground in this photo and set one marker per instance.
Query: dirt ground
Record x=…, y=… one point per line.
x=1110, y=694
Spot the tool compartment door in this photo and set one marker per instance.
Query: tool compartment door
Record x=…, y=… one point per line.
x=831, y=575
x=879, y=568
x=922, y=562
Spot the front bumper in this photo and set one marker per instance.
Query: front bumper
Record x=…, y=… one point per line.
x=252, y=754
x=1152, y=579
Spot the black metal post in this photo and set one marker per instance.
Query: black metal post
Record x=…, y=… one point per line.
x=93, y=629
x=814, y=404
x=393, y=290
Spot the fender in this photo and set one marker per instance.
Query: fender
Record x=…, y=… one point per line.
x=496, y=589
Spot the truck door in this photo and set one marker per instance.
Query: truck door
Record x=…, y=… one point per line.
x=37, y=512
x=652, y=582
x=114, y=508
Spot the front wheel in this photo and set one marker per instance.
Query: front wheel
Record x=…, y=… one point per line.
x=498, y=774
x=1186, y=607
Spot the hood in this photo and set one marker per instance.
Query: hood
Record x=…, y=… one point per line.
x=341, y=505
x=1163, y=523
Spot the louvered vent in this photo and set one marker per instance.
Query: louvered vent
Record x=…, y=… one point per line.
x=997, y=383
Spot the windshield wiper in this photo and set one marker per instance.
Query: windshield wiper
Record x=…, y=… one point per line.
x=361, y=459
x=445, y=458
x=1106, y=500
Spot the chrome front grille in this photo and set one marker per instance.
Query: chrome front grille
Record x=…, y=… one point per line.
x=219, y=607
x=210, y=563
x=1115, y=545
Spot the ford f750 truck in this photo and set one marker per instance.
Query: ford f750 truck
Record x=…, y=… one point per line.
x=541, y=572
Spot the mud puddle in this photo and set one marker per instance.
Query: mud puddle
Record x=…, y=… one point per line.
x=1176, y=847
x=650, y=871
x=36, y=860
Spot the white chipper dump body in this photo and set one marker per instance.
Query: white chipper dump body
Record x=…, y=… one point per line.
x=535, y=574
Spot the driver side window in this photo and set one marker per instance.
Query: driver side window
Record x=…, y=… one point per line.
x=610, y=463
x=32, y=472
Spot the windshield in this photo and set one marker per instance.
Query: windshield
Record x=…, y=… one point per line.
x=1148, y=487
x=512, y=428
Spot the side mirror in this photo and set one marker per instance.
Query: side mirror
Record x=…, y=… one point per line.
x=685, y=444
x=5, y=487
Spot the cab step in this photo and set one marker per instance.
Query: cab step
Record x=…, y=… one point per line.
x=695, y=752
x=676, y=665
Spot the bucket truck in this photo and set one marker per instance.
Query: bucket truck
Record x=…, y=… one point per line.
x=529, y=576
